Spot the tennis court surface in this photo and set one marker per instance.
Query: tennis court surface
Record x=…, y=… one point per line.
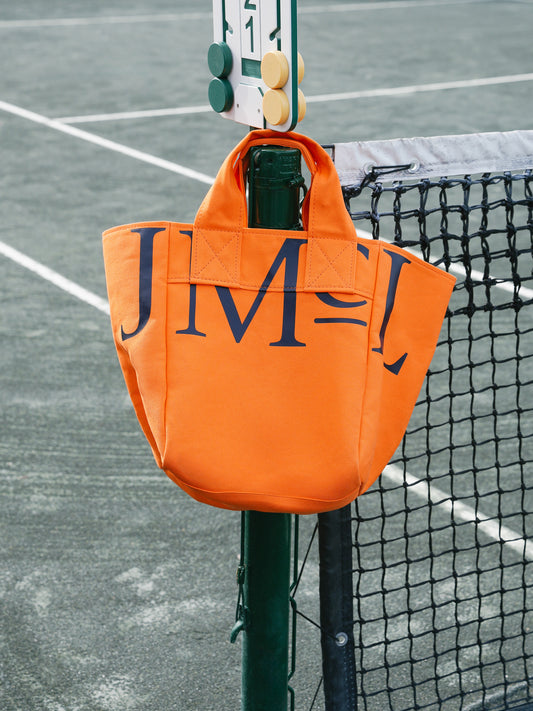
x=117, y=591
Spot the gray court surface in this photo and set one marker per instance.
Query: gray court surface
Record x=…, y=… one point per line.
x=117, y=591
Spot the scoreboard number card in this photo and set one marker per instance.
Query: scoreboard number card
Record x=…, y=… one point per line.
x=255, y=63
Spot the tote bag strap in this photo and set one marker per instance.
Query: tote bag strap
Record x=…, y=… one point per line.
x=222, y=220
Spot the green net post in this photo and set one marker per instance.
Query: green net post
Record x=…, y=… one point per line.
x=274, y=189
x=265, y=651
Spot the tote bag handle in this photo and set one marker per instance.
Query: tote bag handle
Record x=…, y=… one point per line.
x=222, y=218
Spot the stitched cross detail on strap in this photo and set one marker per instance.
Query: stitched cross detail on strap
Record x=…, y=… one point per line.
x=216, y=258
x=330, y=266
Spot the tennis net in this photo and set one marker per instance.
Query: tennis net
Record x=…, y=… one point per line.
x=443, y=556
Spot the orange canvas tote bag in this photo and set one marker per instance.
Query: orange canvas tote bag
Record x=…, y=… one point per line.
x=271, y=370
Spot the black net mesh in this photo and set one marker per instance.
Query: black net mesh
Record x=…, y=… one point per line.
x=443, y=570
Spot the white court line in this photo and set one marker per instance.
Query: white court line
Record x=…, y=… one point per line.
x=104, y=20
x=192, y=16
x=128, y=115
x=390, y=5
x=317, y=98
x=53, y=277
x=459, y=511
x=105, y=143
x=523, y=291
x=418, y=88
x=40, y=269
x=501, y=693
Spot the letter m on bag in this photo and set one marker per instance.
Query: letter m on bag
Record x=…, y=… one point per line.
x=289, y=253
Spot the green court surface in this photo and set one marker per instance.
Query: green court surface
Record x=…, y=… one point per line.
x=117, y=591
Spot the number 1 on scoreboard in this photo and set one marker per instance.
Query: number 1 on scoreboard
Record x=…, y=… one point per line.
x=245, y=33
x=250, y=33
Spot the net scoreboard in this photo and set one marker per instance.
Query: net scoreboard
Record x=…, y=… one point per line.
x=255, y=63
